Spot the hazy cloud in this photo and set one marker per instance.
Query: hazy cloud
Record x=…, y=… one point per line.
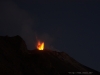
x=16, y=21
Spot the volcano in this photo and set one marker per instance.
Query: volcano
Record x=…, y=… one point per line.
x=16, y=59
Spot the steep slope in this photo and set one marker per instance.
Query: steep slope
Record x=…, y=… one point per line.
x=58, y=63
x=11, y=49
x=17, y=60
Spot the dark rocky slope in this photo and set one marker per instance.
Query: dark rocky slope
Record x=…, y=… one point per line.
x=17, y=60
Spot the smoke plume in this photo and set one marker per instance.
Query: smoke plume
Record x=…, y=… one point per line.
x=16, y=21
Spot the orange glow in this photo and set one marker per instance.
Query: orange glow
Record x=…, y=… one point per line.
x=40, y=45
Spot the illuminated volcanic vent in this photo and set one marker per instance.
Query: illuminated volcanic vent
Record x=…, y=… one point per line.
x=40, y=45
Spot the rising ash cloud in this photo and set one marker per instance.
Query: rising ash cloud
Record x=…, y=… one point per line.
x=16, y=21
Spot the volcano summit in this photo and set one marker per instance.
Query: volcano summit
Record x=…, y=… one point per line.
x=16, y=59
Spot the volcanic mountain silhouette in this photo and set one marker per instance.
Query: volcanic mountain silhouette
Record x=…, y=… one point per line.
x=16, y=59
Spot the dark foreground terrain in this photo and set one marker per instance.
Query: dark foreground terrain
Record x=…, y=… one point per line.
x=15, y=59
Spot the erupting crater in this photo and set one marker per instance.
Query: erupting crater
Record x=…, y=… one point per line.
x=40, y=45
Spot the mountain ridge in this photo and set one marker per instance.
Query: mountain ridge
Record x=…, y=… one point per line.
x=16, y=59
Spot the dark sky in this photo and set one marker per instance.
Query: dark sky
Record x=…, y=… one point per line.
x=69, y=26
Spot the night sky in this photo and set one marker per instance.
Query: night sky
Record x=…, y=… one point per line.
x=69, y=26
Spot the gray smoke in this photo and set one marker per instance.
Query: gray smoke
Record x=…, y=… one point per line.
x=16, y=21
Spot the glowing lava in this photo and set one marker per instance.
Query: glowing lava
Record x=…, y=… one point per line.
x=40, y=45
